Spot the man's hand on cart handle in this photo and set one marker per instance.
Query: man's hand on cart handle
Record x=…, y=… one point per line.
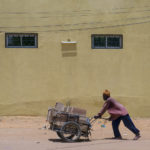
x=97, y=116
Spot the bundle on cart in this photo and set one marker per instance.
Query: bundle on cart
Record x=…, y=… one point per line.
x=70, y=123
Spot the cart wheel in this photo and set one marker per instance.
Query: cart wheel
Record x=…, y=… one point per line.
x=69, y=136
x=59, y=134
x=70, y=132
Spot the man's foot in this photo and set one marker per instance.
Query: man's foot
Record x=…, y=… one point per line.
x=137, y=137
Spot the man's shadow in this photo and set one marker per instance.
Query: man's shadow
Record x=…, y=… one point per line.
x=115, y=139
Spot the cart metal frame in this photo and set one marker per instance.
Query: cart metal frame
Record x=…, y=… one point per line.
x=69, y=127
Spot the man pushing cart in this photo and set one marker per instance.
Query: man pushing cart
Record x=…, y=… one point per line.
x=117, y=113
x=70, y=123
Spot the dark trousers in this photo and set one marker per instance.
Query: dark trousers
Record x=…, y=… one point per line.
x=127, y=122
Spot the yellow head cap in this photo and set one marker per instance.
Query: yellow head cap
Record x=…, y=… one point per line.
x=106, y=92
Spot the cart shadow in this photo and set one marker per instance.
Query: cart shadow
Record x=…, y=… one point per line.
x=61, y=141
x=56, y=140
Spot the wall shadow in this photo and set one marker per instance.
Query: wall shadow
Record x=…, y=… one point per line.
x=69, y=49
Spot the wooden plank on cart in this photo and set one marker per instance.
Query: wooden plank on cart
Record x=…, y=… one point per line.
x=75, y=110
x=59, y=106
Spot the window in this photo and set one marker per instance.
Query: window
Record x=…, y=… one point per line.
x=107, y=41
x=21, y=40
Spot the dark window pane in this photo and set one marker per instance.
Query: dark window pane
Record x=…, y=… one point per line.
x=99, y=41
x=14, y=41
x=28, y=41
x=113, y=42
x=21, y=40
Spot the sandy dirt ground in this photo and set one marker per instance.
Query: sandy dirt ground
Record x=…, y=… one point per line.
x=26, y=133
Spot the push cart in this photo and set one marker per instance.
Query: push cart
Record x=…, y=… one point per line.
x=69, y=123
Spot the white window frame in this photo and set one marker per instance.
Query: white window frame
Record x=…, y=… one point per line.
x=106, y=36
x=21, y=35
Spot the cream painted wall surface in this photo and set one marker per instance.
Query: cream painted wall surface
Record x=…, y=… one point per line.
x=33, y=78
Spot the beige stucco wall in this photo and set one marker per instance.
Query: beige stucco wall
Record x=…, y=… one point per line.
x=35, y=78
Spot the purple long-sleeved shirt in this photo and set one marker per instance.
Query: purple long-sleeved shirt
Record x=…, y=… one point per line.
x=114, y=108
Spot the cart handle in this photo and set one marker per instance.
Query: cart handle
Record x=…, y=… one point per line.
x=93, y=120
x=104, y=118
